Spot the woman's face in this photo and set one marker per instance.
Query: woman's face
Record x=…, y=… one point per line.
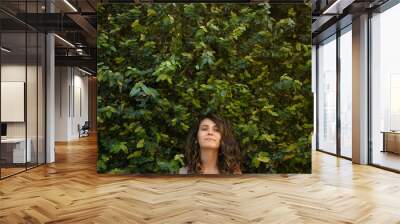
x=209, y=135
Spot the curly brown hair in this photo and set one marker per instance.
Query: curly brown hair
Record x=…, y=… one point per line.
x=229, y=152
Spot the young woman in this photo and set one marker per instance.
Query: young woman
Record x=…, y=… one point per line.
x=211, y=148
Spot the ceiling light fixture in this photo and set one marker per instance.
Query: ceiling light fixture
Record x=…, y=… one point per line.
x=64, y=40
x=337, y=7
x=70, y=5
x=5, y=50
x=80, y=51
x=86, y=72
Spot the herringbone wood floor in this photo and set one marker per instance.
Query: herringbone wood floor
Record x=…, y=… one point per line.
x=70, y=191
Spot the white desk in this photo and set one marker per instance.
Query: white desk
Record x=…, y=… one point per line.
x=19, y=149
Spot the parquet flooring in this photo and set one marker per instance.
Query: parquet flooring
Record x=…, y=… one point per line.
x=70, y=191
x=10, y=171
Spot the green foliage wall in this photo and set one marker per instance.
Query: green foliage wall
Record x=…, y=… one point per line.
x=160, y=66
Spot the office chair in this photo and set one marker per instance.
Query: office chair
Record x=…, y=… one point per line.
x=84, y=130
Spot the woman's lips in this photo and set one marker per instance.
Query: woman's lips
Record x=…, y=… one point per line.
x=209, y=139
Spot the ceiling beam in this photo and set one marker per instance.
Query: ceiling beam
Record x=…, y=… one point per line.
x=81, y=61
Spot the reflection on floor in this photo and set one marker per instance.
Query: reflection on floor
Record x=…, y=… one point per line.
x=8, y=170
x=386, y=159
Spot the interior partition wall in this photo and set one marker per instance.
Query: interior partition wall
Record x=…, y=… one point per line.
x=22, y=66
x=334, y=94
x=385, y=88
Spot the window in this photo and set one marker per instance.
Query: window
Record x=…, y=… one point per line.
x=385, y=88
x=327, y=95
x=346, y=92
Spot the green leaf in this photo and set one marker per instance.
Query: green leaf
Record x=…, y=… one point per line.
x=118, y=147
x=135, y=154
x=136, y=26
x=263, y=157
x=119, y=60
x=136, y=89
x=119, y=171
x=179, y=158
x=151, y=12
x=140, y=144
x=149, y=91
x=267, y=137
x=255, y=162
x=101, y=166
x=164, y=165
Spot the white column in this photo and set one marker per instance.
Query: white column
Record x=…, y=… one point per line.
x=360, y=90
x=50, y=94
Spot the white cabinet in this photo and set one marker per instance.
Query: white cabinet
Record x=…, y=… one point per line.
x=18, y=145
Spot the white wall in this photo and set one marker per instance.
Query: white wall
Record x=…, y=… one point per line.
x=80, y=109
x=13, y=72
x=71, y=101
x=62, y=81
x=16, y=72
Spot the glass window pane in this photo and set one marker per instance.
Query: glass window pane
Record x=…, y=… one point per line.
x=385, y=89
x=13, y=86
x=23, y=87
x=327, y=96
x=31, y=96
x=41, y=98
x=346, y=93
